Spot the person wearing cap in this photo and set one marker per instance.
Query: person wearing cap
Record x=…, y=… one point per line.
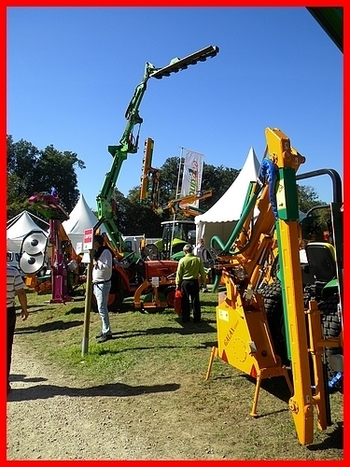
x=189, y=269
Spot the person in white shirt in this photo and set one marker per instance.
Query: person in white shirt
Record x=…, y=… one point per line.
x=199, y=248
x=198, y=251
x=101, y=279
x=15, y=286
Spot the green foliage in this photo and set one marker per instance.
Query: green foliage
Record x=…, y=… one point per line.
x=32, y=170
x=169, y=173
x=308, y=198
x=138, y=219
x=217, y=179
x=318, y=220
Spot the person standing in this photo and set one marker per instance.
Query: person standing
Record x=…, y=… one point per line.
x=199, y=251
x=15, y=287
x=101, y=279
x=189, y=269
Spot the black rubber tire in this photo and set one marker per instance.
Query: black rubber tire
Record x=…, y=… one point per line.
x=94, y=304
x=116, y=295
x=272, y=295
x=331, y=325
x=169, y=293
x=115, y=301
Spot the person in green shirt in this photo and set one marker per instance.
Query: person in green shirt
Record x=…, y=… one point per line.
x=189, y=269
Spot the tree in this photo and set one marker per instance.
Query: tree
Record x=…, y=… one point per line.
x=219, y=179
x=168, y=182
x=56, y=169
x=308, y=198
x=32, y=170
x=135, y=218
x=319, y=219
x=146, y=216
x=21, y=159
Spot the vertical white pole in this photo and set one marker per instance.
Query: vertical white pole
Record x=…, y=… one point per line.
x=177, y=193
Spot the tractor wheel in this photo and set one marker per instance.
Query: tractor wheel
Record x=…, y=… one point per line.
x=115, y=297
x=169, y=293
x=116, y=294
x=115, y=301
x=272, y=295
x=94, y=304
x=331, y=325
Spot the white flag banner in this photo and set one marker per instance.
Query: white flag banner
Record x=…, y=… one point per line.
x=192, y=176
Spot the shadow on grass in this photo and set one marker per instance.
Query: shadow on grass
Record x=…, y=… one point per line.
x=110, y=389
x=208, y=303
x=277, y=386
x=334, y=440
x=47, y=327
x=33, y=305
x=110, y=351
x=188, y=328
x=75, y=311
x=211, y=343
x=51, y=306
x=15, y=377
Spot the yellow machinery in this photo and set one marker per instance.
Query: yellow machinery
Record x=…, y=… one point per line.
x=150, y=183
x=183, y=205
x=270, y=220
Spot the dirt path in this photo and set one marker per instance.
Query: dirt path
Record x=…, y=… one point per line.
x=49, y=419
x=52, y=417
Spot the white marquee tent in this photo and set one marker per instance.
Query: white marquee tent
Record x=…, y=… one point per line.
x=222, y=217
x=19, y=227
x=80, y=219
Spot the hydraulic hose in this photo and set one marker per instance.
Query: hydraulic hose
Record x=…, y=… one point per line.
x=267, y=173
x=235, y=233
x=238, y=227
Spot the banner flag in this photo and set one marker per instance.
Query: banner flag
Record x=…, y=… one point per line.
x=192, y=176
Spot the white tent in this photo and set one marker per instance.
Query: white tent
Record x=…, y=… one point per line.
x=18, y=228
x=80, y=219
x=222, y=217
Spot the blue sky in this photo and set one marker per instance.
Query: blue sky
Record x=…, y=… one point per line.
x=71, y=73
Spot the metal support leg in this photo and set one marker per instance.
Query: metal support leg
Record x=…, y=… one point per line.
x=259, y=379
x=213, y=353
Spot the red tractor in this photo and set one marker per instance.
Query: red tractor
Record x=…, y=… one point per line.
x=153, y=280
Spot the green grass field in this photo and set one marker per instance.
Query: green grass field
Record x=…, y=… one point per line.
x=157, y=349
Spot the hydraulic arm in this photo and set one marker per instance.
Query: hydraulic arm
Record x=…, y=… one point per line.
x=129, y=143
x=183, y=205
x=270, y=223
